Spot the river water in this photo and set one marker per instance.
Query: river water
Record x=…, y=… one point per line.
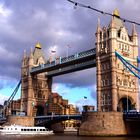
x=63, y=137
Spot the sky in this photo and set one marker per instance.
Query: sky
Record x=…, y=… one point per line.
x=56, y=24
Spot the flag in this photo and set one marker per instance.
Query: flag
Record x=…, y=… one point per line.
x=85, y=97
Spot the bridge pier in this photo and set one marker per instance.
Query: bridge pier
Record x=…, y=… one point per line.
x=57, y=128
x=103, y=124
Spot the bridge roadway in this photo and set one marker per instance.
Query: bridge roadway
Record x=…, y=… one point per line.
x=44, y=119
x=40, y=120
x=59, y=66
x=131, y=115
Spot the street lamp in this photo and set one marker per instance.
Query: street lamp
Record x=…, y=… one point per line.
x=53, y=51
x=68, y=46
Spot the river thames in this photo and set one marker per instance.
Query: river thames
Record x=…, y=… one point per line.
x=63, y=137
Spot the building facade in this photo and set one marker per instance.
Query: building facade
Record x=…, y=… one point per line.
x=88, y=108
x=117, y=87
x=58, y=105
x=35, y=89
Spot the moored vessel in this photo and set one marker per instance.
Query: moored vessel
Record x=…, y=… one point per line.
x=17, y=129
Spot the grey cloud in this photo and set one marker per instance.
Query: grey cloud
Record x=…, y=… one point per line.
x=55, y=23
x=83, y=78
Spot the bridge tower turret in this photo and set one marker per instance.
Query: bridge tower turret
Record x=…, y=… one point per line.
x=117, y=87
x=35, y=89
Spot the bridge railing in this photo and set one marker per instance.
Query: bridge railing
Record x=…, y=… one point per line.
x=65, y=59
x=58, y=116
x=131, y=115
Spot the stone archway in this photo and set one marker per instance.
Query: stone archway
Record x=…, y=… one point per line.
x=40, y=110
x=125, y=104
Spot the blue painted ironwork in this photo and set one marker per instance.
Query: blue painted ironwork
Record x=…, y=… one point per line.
x=71, y=68
x=128, y=65
x=138, y=60
x=53, y=118
x=11, y=98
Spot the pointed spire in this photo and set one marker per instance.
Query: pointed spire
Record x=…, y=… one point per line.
x=98, y=22
x=31, y=60
x=134, y=33
x=31, y=53
x=98, y=25
x=24, y=58
x=112, y=24
x=24, y=55
x=38, y=46
x=116, y=13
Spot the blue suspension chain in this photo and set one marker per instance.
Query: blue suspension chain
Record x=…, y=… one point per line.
x=126, y=63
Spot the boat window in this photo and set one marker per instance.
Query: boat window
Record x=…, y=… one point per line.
x=1, y=128
x=43, y=129
x=34, y=129
x=15, y=128
x=22, y=129
x=28, y=129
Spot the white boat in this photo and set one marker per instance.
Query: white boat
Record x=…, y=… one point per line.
x=17, y=129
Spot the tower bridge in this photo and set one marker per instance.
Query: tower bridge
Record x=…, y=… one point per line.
x=115, y=58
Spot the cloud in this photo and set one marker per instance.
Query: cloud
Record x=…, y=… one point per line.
x=54, y=23
x=82, y=102
x=80, y=79
x=2, y=98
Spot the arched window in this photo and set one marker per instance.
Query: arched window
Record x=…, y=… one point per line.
x=100, y=35
x=125, y=38
x=122, y=37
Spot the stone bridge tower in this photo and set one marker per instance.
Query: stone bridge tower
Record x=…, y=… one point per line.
x=34, y=89
x=117, y=87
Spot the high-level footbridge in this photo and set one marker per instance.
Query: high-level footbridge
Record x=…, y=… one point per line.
x=59, y=66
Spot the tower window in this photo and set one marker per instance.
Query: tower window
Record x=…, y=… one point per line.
x=125, y=38
x=118, y=33
x=122, y=46
x=118, y=65
x=125, y=47
x=125, y=82
x=100, y=35
x=122, y=37
x=104, y=35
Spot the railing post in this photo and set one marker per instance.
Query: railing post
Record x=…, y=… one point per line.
x=76, y=55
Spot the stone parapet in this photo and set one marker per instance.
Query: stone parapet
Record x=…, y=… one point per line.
x=21, y=120
x=102, y=124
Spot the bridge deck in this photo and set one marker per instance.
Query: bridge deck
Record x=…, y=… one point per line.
x=39, y=120
x=72, y=63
